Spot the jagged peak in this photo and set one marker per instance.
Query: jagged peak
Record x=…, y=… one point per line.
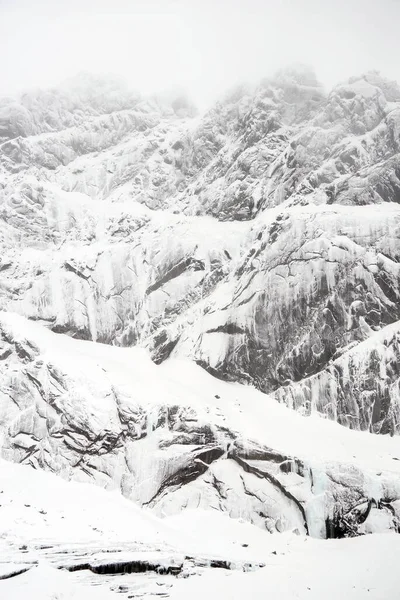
x=389, y=87
x=368, y=84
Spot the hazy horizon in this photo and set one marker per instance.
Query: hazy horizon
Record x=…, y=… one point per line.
x=203, y=49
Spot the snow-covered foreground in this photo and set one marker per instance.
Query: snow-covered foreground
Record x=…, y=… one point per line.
x=49, y=527
x=309, y=570
x=353, y=569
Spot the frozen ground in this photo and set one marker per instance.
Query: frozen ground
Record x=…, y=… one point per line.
x=49, y=526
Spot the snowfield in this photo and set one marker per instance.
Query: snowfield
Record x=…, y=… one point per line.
x=48, y=526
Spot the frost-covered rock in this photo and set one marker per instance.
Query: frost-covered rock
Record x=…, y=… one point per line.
x=261, y=241
x=314, y=281
x=73, y=541
x=360, y=388
x=172, y=437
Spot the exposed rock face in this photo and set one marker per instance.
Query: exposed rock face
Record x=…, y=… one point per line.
x=171, y=437
x=360, y=389
x=314, y=281
x=261, y=241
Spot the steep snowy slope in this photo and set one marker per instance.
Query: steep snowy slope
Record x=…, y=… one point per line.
x=260, y=240
x=173, y=437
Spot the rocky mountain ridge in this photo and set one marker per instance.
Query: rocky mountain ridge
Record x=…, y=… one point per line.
x=261, y=241
x=130, y=222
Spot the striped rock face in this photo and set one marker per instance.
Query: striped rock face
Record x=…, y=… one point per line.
x=197, y=309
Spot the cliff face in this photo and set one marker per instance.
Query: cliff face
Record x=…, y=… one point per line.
x=261, y=241
x=172, y=437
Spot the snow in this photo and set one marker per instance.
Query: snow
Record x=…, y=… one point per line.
x=305, y=570
x=260, y=240
x=165, y=414
x=91, y=245
x=47, y=523
x=255, y=416
x=360, y=87
x=46, y=583
x=39, y=507
x=355, y=569
x=309, y=570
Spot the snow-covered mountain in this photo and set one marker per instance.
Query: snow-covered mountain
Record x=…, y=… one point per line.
x=260, y=240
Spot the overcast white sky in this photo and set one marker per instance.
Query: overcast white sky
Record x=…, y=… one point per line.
x=203, y=46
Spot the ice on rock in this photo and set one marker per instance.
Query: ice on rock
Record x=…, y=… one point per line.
x=173, y=437
x=200, y=313
x=71, y=540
